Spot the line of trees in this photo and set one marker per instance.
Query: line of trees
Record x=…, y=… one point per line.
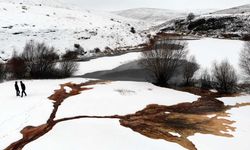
x=37, y=61
x=168, y=55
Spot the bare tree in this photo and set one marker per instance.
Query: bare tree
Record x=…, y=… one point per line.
x=205, y=79
x=225, y=77
x=68, y=68
x=16, y=66
x=2, y=71
x=190, y=67
x=190, y=16
x=245, y=59
x=40, y=59
x=163, y=60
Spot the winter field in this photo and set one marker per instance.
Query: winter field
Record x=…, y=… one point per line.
x=62, y=28
x=116, y=98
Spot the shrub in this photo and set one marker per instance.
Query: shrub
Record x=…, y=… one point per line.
x=97, y=50
x=245, y=59
x=190, y=16
x=2, y=71
x=190, y=67
x=225, y=77
x=68, y=68
x=16, y=66
x=70, y=55
x=205, y=80
x=40, y=60
x=132, y=30
x=164, y=59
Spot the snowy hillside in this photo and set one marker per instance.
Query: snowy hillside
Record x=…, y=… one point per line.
x=235, y=10
x=151, y=15
x=62, y=28
x=211, y=25
x=52, y=3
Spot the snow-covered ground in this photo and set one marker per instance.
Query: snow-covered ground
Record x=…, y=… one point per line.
x=208, y=50
x=107, y=99
x=120, y=98
x=110, y=99
x=241, y=135
x=99, y=134
x=63, y=27
x=16, y=113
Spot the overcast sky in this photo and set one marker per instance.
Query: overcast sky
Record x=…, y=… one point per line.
x=167, y=4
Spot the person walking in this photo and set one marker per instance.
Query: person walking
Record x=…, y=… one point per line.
x=23, y=89
x=17, y=89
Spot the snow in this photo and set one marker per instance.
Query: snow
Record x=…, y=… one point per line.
x=96, y=134
x=16, y=113
x=152, y=16
x=120, y=97
x=111, y=100
x=235, y=100
x=106, y=63
x=62, y=28
x=241, y=135
x=208, y=50
x=235, y=10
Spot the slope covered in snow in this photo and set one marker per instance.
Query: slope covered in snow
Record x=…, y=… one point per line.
x=235, y=10
x=62, y=28
x=233, y=23
x=151, y=15
x=52, y=3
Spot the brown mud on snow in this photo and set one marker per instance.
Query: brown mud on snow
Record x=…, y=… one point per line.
x=176, y=123
x=171, y=123
x=31, y=133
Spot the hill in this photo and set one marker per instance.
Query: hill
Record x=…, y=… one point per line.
x=151, y=15
x=235, y=10
x=64, y=27
x=230, y=23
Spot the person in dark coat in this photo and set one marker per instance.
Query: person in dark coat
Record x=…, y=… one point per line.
x=17, y=89
x=23, y=89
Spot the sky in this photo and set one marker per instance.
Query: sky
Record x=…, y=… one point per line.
x=111, y=5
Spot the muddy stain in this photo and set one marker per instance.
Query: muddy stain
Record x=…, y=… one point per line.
x=206, y=116
x=171, y=123
x=32, y=133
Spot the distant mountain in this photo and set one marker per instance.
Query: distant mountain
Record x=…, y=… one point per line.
x=235, y=10
x=151, y=15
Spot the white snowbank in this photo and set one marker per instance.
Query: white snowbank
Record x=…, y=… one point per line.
x=120, y=98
